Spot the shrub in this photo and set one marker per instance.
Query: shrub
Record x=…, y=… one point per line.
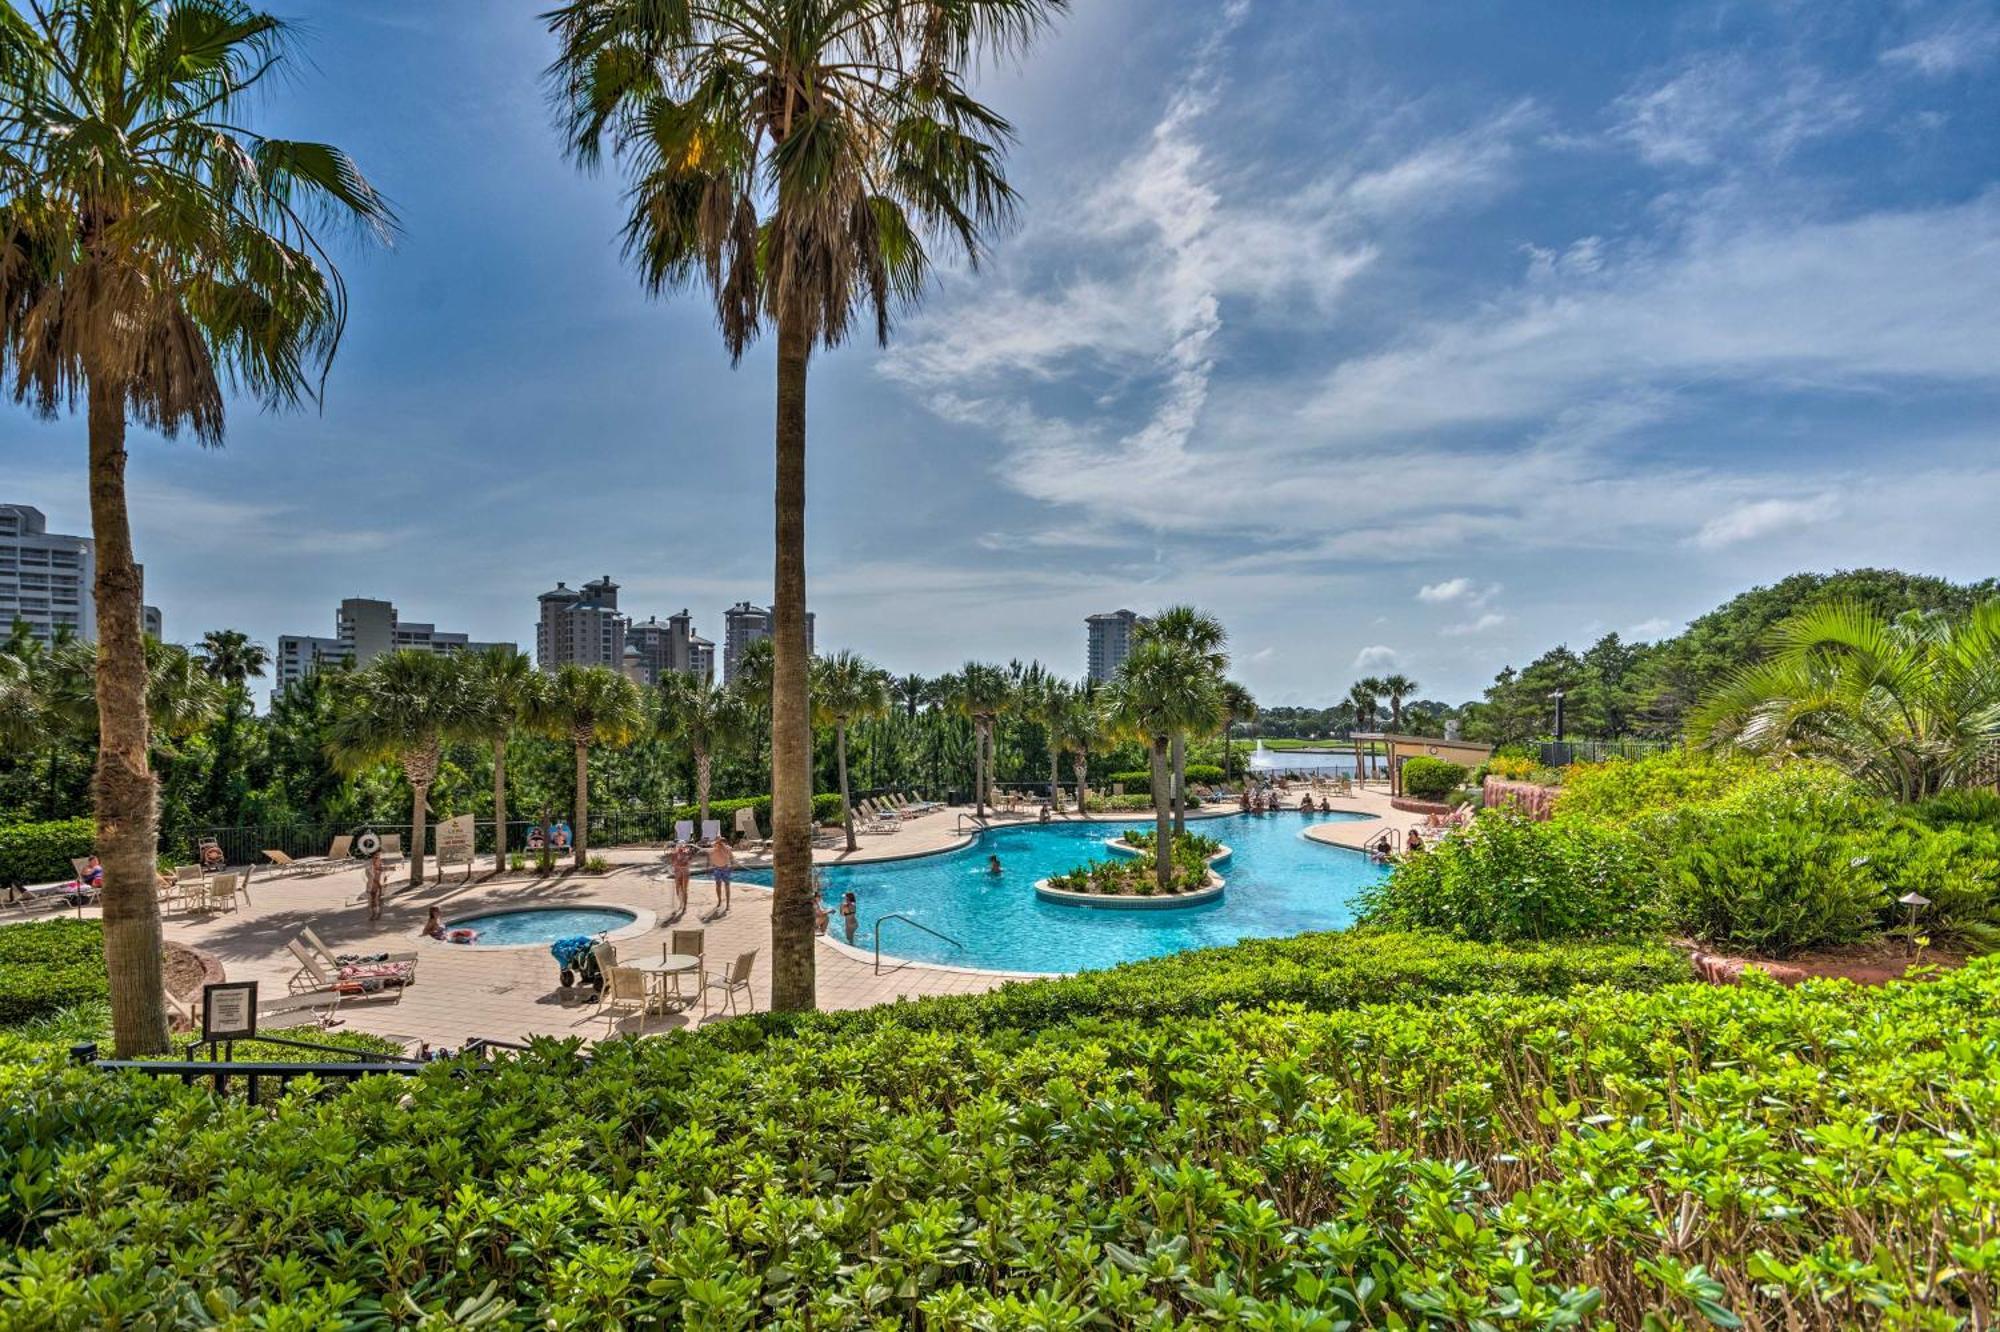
x=41, y=852
x=826, y=809
x=1139, y=875
x=1703, y=1156
x=1949, y=808
x=1776, y=886
x=1191, y=843
x=1107, y=804
x=50, y=965
x=1429, y=778
x=1196, y=772
x=1511, y=768
x=1505, y=877
x=1623, y=788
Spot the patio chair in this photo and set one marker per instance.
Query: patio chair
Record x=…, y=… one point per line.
x=683, y=830
x=222, y=890
x=353, y=978
x=188, y=884
x=691, y=943
x=732, y=982
x=624, y=988
x=332, y=960
x=711, y=831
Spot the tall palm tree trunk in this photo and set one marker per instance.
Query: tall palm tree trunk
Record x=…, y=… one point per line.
x=1163, y=842
x=499, y=806
x=792, y=982
x=127, y=809
x=703, y=772
x=420, y=769
x=1180, y=783
x=840, y=759
x=580, y=839
x=1080, y=762
x=1055, y=780
x=979, y=769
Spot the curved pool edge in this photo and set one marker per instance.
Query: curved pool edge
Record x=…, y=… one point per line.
x=643, y=921
x=896, y=963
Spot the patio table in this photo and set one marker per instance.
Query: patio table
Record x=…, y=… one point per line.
x=656, y=973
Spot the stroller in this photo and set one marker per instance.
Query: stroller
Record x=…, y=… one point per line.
x=574, y=954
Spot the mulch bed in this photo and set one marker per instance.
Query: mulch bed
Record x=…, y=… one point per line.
x=1871, y=962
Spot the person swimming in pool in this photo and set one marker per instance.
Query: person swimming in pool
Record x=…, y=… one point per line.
x=993, y=865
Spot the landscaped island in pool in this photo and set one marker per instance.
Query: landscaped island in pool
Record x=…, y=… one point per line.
x=1280, y=883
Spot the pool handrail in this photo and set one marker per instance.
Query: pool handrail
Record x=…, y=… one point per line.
x=906, y=920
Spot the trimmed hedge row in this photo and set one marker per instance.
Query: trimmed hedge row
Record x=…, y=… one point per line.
x=1703, y=1156
x=50, y=965
x=826, y=809
x=41, y=852
x=1196, y=772
x=1332, y=970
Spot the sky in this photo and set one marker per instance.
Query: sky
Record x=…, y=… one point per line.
x=1412, y=337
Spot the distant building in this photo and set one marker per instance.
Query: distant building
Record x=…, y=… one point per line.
x=742, y=625
x=654, y=647
x=1110, y=641
x=47, y=579
x=364, y=629
x=581, y=627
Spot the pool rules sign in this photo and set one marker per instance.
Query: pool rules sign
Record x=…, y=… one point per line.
x=229, y=1011
x=455, y=841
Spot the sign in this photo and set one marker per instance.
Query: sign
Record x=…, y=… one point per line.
x=454, y=840
x=229, y=1010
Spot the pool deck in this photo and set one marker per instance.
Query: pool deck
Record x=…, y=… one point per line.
x=509, y=993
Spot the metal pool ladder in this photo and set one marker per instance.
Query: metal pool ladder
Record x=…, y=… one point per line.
x=880, y=920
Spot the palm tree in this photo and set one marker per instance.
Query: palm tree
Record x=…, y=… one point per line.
x=1909, y=706
x=50, y=697
x=706, y=717
x=402, y=707
x=587, y=705
x=1398, y=688
x=230, y=656
x=1237, y=706
x=152, y=252
x=911, y=691
x=1204, y=638
x=181, y=696
x=503, y=684
x=793, y=156
x=1164, y=691
x=1076, y=731
x=1362, y=698
x=1048, y=702
x=981, y=694
x=847, y=688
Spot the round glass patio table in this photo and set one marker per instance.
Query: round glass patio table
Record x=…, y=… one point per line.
x=656, y=973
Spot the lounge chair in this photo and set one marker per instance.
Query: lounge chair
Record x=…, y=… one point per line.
x=333, y=960
x=67, y=893
x=392, y=846
x=186, y=1011
x=286, y=865
x=352, y=978
x=746, y=828
x=711, y=831
x=683, y=830
x=732, y=982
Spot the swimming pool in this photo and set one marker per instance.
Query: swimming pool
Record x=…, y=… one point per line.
x=533, y=925
x=1279, y=883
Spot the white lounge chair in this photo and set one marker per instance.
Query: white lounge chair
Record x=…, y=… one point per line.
x=312, y=975
x=683, y=830
x=332, y=960
x=746, y=827
x=711, y=831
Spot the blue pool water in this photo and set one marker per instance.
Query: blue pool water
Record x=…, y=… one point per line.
x=1279, y=883
x=541, y=924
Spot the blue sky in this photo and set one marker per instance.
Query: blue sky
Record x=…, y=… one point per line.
x=1412, y=336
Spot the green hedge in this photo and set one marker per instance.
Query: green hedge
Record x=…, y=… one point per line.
x=826, y=809
x=49, y=965
x=1330, y=970
x=1429, y=778
x=1196, y=772
x=41, y=852
x=1703, y=1156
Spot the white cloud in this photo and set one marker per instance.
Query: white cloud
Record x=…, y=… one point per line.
x=1762, y=518
x=1957, y=47
x=1376, y=657
x=1461, y=589
x=1489, y=621
x=1718, y=108
x=1647, y=630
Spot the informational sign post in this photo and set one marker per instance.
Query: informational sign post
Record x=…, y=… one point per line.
x=455, y=843
x=229, y=1011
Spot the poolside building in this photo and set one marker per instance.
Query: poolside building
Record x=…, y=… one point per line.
x=363, y=629
x=47, y=579
x=581, y=626
x=655, y=647
x=1110, y=641
x=742, y=625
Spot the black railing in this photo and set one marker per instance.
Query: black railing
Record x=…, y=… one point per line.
x=881, y=920
x=220, y=1068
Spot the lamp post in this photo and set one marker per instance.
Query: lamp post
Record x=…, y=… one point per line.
x=1558, y=697
x=1916, y=902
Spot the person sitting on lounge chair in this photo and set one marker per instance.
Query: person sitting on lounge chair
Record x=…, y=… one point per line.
x=93, y=873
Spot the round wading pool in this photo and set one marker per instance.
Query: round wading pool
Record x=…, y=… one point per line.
x=541, y=925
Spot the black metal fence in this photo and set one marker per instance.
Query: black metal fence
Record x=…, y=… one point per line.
x=1561, y=753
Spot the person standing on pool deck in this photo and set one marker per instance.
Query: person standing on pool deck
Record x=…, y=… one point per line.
x=375, y=877
x=683, y=863
x=721, y=864
x=850, y=917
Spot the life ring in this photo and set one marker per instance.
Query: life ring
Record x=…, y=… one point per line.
x=368, y=843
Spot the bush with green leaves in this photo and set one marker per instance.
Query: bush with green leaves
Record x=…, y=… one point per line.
x=1111, y=804
x=1138, y=875
x=1429, y=778
x=47, y=966
x=1141, y=777
x=1774, y=886
x=1191, y=843
x=41, y=852
x=1505, y=877
x=1702, y=1156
